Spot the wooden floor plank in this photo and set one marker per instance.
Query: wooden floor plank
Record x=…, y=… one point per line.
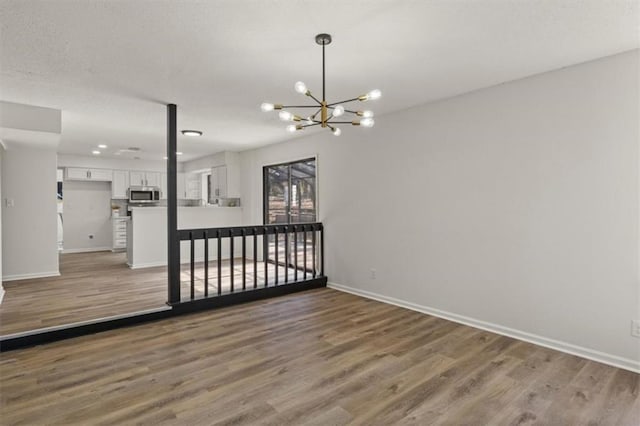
x=99, y=284
x=320, y=357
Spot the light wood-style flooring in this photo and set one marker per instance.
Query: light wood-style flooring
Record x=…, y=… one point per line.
x=320, y=357
x=100, y=284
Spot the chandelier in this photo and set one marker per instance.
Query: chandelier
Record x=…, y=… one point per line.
x=326, y=115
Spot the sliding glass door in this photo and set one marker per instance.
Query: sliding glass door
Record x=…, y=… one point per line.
x=290, y=198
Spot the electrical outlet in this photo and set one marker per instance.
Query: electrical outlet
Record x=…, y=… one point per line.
x=372, y=274
x=635, y=328
x=9, y=202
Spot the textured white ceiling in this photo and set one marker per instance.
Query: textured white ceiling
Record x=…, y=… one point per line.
x=110, y=66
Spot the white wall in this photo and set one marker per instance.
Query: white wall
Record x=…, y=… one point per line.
x=205, y=163
x=30, y=117
x=513, y=208
x=29, y=230
x=87, y=212
x=1, y=201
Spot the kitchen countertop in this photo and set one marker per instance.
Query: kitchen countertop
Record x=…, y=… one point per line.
x=182, y=207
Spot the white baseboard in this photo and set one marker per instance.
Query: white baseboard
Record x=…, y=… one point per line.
x=1, y=293
x=146, y=265
x=605, y=358
x=86, y=250
x=30, y=276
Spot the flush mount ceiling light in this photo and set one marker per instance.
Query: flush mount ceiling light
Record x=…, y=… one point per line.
x=328, y=112
x=192, y=132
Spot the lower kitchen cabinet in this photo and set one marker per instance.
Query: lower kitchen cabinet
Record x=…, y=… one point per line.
x=119, y=233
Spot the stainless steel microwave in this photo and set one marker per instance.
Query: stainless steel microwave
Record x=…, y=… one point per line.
x=144, y=194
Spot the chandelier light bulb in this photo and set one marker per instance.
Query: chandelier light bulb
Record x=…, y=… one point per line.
x=337, y=131
x=338, y=111
x=374, y=94
x=291, y=128
x=301, y=87
x=266, y=107
x=366, y=114
x=285, y=116
x=367, y=122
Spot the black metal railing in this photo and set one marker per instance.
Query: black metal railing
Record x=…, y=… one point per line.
x=290, y=253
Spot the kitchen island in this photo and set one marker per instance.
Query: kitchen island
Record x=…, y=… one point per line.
x=147, y=232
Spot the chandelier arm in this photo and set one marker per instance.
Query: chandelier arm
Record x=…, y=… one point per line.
x=314, y=98
x=341, y=122
x=311, y=125
x=352, y=112
x=343, y=102
x=299, y=106
x=313, y=117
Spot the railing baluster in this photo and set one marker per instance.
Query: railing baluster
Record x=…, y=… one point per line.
x=244, y=259
x=286, y=254
x=304, y=253
x=265, y=256
x=193, y=284
x=231, y=250
x=219, y=263
x=313, y=252
x=255, y=258
x=322, y=252
x=295, y=253
x=206, y=264
x=276, y=255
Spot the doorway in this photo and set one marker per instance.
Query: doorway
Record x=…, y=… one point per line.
x=290, y=197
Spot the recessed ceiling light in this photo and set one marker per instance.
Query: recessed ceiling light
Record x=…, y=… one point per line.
x=178, y=153
x=102, y=146
x=192, y=132
x=95, y=152
x=165, y=158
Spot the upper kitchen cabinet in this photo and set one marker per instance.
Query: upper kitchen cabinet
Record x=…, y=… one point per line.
x=77, y=173
x=120, y=184
x=182, y=193
x=144, y=178
x=225, y=179
x=218, y=183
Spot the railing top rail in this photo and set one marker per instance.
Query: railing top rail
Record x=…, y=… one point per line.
x=238, y=231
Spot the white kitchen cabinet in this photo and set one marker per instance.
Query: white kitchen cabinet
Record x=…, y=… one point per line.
x=120, y=184
x=218, y=187
x=119, y=233
x=78, y=173
x=152, y=178
x=138, y=178
x=182, y=193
